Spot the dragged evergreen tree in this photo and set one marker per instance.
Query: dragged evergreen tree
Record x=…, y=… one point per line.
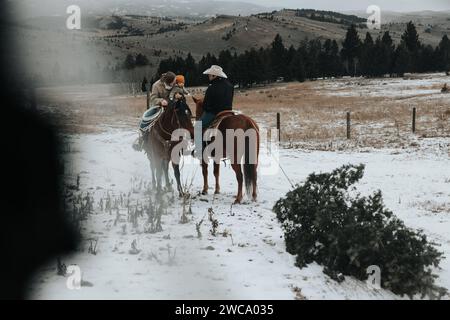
x=325, y=222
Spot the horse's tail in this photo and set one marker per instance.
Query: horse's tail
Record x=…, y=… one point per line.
x=251, y=163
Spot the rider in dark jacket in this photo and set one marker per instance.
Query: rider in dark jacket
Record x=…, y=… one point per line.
x=218, y=97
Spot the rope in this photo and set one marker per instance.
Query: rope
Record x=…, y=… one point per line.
x=284, y=172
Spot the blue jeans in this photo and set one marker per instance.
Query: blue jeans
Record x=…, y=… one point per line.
x=207, y=118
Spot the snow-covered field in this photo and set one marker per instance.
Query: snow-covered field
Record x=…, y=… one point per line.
x=424, y=86
x=247, y=257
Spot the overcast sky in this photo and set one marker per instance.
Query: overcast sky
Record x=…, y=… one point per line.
x=342, y=5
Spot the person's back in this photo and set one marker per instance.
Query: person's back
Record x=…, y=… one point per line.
x=158, y=94
x=219, y=96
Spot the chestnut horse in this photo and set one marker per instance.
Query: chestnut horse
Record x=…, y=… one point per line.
x=249, y=174
x=159, y=147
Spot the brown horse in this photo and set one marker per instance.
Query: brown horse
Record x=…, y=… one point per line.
x=159, y=144
x=249, y=174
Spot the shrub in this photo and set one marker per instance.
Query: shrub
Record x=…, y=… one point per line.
x=346, y=234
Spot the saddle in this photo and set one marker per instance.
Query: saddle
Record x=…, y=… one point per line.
x=222, y=116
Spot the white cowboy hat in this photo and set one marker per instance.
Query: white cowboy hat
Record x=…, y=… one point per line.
x=216, y=71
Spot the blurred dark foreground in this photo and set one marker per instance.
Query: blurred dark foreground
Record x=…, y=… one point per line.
x=32, y=225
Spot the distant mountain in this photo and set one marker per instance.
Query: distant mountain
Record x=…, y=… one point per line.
x=105, y=40
x=423, y=17
x=186, y=8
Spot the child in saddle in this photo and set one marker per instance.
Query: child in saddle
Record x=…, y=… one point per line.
x=179, y=92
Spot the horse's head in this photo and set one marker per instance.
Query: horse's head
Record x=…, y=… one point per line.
x=198, y=107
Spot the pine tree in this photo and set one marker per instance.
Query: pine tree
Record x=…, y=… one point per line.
x=329, y=62
x=314, y=48
x=410, y=39
x=367, y=56
x=130, y=62
x=191, y=72
x=254, y=66
x=427, y=60
x=234, y=70
x=386, y=55
x=277, y=56
x=225, y=59
x=290, y=54
x=401, y=60
x=350, y=50
x=264, y=56
x=443, y=54
x=141, y=60
x=297, y=66
x=144, y=85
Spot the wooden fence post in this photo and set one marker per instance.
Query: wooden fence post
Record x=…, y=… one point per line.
x=279, y=126
x=348, y=125
x=414, y=120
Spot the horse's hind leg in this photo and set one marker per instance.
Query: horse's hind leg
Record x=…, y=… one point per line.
x=205, y=177
x=254, y=182
x=237, y=169
x=216, y=175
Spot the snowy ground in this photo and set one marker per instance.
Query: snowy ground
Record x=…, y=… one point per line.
x=424, y=86
x=250, y=262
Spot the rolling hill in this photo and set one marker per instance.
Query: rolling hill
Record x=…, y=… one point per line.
x=105, y=40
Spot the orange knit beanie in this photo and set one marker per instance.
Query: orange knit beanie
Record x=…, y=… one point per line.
x=180, y=79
